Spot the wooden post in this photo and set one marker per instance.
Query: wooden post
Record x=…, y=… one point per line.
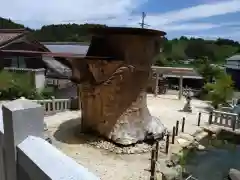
x=183, y=124
x=199, y=119
x=180, y=87
x=153, y=164
x=157, y=149
x=177, y=125
x=78, y=96
x=167, y=144
x=234, y=121
x=173, y=135
x=156, y=84
x=210, y=117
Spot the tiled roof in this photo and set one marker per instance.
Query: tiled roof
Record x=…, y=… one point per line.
x=7, y=35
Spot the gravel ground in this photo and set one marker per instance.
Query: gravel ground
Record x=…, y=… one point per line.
x=63, y=127
x=103, y=163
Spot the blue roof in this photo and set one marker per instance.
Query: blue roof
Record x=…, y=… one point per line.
x=74, y=48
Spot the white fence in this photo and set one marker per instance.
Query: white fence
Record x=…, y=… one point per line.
x=25, y=155
x=52, y=106
x=225, y=119
x=59, y=83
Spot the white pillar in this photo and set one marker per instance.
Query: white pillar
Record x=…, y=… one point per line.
x=21, y=118
x=2, y=165
x=180, y=87
x=156, y=85
x=39, y=79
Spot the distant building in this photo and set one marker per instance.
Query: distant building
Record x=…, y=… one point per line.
x=233, y=69
x=191, y=78
x=188, y=61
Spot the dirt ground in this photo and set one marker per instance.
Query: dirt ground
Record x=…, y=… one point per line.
x=64, y=128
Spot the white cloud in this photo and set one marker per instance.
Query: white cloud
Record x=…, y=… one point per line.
x=196, y=12
x=190, y=26
x=62, y=11
x=186, y=27
x=35, y=13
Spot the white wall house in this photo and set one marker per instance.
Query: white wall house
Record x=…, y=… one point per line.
x=233, y=62
x=233, y=69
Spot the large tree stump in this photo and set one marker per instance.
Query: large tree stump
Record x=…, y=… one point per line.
x=114, y=76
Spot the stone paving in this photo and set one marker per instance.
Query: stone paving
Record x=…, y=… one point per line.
x=168, y=109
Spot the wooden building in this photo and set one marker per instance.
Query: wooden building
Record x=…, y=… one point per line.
x=20, y=39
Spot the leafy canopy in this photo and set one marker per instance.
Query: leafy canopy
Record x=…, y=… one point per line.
x=221, y=90
x=14, y=85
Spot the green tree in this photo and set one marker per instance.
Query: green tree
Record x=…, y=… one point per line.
x=8, y=24
x=199, y=48
x=221, y=90
x=161, y=60
x=206, y=69
x=14, y=85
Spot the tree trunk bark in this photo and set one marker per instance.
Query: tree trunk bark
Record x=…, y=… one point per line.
x=114, y=98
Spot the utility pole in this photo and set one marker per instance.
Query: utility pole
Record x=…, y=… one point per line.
x=143, y=20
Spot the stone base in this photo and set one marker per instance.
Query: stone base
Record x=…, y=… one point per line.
x=127, y=133
x=234, y=174
x=187, y=108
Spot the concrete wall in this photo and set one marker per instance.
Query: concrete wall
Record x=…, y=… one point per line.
x=40, y=79
x=24, y=155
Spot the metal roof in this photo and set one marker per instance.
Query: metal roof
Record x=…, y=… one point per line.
x=234, y=58
x=68, y=48
x=177, y=72
x=57, y=67
x=50, y=54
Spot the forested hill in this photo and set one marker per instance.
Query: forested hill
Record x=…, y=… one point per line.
x=64, y=33
x=8, y=24
x=54, y=33
x=193, y=48
x=174, y=50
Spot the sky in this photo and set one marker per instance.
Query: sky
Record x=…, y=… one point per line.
x=209, y=19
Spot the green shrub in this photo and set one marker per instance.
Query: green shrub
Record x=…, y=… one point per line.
x=14, y=85
x=47, y=93
x=220, y=91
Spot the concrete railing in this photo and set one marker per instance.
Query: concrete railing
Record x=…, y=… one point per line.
x=52, y=106
x=25, y=155
x=225, y=119
x=225, y=109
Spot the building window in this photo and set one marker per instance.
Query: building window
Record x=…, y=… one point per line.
x=17, y=62
x=14, y=62
x=21, y=62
